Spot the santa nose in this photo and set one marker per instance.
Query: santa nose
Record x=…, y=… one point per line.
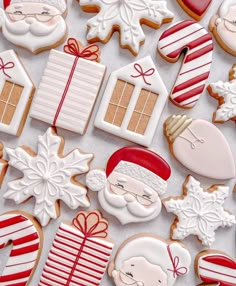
x=30, y=20
x=140, y=283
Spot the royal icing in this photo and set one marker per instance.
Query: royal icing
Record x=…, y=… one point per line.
x=133, y=101
x=216, y=267
x=196, y=65
x=80, y=252
x=199, y=212
x=130, y=187
x=3, y=165
x=195, y=8
x=35, y=25
x=69, y=88
x=146, y=260
x=225, y=93
x=48, y=177
x=125, y=16
x=190, y=141
x=17, y=228
x=16, y=90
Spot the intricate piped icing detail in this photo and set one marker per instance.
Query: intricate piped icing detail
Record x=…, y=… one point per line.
x=199, y=212
x=48, y=177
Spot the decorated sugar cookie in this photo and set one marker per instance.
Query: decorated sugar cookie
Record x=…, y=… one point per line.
x=145, y=259
x=225, y=93
x=214, y=267
x=80, y=252
x=200, y=146
x=3, y=165
x=35, y=25
x=223, y=27
x=25, y=234
x=192, y=39
x=16, y=91
x=130, y=187
x=48, y=176
x=126, y=17
x=133, y=102
x=195, y=9
x=199, y=212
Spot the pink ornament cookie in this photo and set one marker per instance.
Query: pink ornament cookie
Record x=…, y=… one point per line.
x=195, y=9
x=35, y=25
x=222, y=25
x=190, y=141
x=145, y=259
x=69, y=87
x=80, y=252
x=24, y=233
x=3, y=165
x=49, y=176
x=133, y=102
x=130, y=187
x=199, y=212
x=214, y=267
x=16, y=92
x=194, y=40
x=125, y=17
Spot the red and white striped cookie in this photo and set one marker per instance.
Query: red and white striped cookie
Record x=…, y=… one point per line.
x=24, y=232
x=190, y=37
x=216, y=267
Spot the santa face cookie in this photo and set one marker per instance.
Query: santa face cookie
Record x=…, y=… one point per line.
x=199, y=212
x=35, y=25
x=223, y=27
x=126, y=17
x=195, y=9
x=130, y=187
x=48, y=176
x=190, y=141
x=147, y=260
x=3, y=165
x=225, y=93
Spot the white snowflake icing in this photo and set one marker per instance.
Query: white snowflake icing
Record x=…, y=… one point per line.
x=48, y=177
x=200, y=212
x=227, y=92
x=126, y=14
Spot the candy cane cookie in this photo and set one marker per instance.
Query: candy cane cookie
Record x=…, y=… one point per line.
x=25, y=234
x=193, y=39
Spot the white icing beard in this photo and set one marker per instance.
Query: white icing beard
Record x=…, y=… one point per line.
x=127, y=212
x=228, y=37
x=33, y=36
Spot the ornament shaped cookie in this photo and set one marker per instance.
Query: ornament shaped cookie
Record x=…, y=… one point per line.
x=195, y=9
x=126, y=17
x=16, y=92
x=215, y=267
x=69, y=87
x=196, y=43
x=199, y=212
x=145, y=259
x=25, y=234
x=35, y=25
x=190, y=141
x=130, y=187
x=133, y=101
x=222, y=25
x=80, y=252
x=225, y=93
x=3, y=165
x=48, y=176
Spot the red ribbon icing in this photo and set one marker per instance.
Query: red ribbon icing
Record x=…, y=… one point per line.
x=177, y=271
x=3, y=67
x=142, y=73
x=91, y=225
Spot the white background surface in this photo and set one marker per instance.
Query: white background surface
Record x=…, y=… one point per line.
x=103, y=144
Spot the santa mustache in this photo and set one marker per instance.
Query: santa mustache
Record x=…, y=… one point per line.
x=36, y=28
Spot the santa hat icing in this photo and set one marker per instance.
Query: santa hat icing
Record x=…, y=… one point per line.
x=224, y=8
x=59, y=4
x=172, y=258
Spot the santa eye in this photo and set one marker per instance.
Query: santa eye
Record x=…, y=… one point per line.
x=159, y=281
x=18, y=12
x=119, y=185
x=147, y=197
x=129, y=274
x=45, y=13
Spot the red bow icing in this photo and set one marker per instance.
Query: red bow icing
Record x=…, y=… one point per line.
x=143, y=74
x=91, y=225
x=177, y=271
x=8, y=65
x=90, y=53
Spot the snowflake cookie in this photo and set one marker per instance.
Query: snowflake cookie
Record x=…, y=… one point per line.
x=48, y=176
x=225, y=93
x=199, y=212
x=125, y=16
